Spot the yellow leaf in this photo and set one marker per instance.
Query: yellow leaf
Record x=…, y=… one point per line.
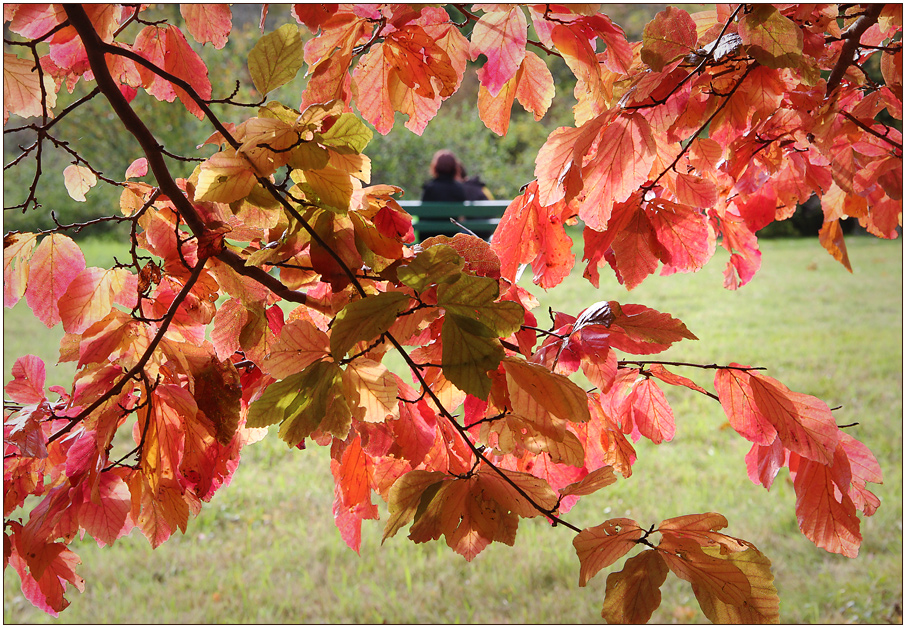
x=761, y=607
x=224, y=178
x=276, y=58
x=376, y=387
x=78, y=180
x=22, y=88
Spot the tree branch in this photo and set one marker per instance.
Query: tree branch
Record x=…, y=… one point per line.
x=850, y=47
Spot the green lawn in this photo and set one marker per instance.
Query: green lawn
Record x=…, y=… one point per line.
x=265, y=549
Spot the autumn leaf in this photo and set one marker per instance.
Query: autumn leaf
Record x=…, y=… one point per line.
x=224, y=178
x=597, y=479
x=55, y=263
x=763, y=604
x=276, y=58
x=718, y=576
x=625, y=153
x=300, y=344
x=641, y=330
x=364, y=320
x=78, y=180
x=826, y=517
x=669, y=36
x=501, y=36
x=633, y=593
x=603, y=545
x=22, y=90
x=555, y=393
x=17, y=250
x=208, y=23
x=772, y=39
x=529, y=233
x=406, y=496
x=376, y=387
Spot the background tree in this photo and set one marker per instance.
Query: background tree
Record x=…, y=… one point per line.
x=713, y=126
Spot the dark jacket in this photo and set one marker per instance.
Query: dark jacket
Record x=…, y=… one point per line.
x=444, y=190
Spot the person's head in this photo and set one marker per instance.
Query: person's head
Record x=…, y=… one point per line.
x=444, y=164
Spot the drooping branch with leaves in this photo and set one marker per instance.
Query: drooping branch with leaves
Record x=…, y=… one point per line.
x=267, y=287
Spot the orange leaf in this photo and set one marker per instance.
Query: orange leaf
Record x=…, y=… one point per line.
x=657, y=370
x=642, y=330
x=603, y=545
x=633, y=593
x=684, y=234
x=555, y=393
x=597, y=479
x=826, y=517
x=300, y=344
x=532, y=233
x=831, y=238
x=90, y=296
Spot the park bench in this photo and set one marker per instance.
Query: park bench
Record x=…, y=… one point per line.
x=429, y=219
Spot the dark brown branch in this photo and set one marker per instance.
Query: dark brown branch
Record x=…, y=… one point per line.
x=153, y=152
x=868, y=129
x=851, y=45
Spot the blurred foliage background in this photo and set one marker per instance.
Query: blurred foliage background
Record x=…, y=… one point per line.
x=400, y=158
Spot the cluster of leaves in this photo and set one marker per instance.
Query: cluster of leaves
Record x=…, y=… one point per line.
x=187, y=346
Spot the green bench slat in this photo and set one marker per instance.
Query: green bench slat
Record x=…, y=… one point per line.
x=474, y=215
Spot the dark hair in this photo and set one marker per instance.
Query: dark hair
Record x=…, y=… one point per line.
x=444, y=164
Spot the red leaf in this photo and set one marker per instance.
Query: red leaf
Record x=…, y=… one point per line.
x=650, y=413
x=27, y=385
x=669, y=36
x=683, y=233
x=501, y=36
x=826, y=516
x=208, y=22
x=657, y=370
x=641, y=330
x=625, y=153
x=54, y=264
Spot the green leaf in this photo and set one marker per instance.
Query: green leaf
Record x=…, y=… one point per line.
x=474, y=297
x=437, y=264
x=276, y=58
x=320, y=398
x=467, y=358
x=347, y=135
x=271, y=407
x=772, y=39
x=365, y=320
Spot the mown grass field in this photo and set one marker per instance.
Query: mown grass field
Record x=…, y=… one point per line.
x=265, y=549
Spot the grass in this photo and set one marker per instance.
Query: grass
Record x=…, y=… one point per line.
x=265, y=549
